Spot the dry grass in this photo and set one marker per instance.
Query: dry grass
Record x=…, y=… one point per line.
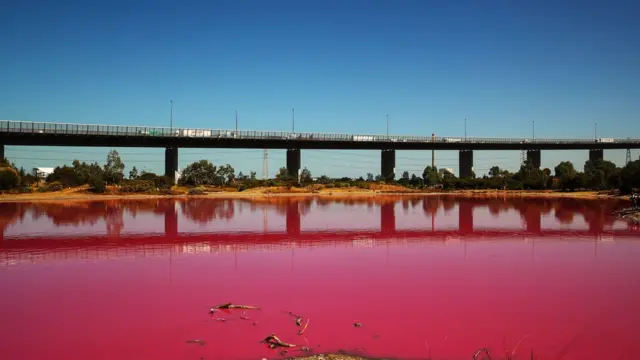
x=313, y=190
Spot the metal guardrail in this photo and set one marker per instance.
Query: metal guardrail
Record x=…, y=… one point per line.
x=27, y=127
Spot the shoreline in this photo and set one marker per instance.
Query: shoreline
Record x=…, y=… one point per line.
x=80, y=196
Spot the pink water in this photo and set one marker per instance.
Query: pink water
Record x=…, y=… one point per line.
x=434, y=277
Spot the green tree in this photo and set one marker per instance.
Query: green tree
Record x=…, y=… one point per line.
x=431, y=176
x=598, y=173
x=199, y=173
x=305, y=176
x=114, y=168
x=252, y=176
x=283, y=174
x=530, y=176
x=369, y=177
x=225, y=175
x=567, y=175
x=133, y=174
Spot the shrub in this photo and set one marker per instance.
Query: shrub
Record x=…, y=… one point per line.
x=196, y=191
x=9, y=178
x=97, y=185
x=137, y=186
x=54, y=186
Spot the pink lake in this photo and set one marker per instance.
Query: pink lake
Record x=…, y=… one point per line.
x=433, y=277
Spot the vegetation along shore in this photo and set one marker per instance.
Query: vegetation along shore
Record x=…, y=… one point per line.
x=80, y=180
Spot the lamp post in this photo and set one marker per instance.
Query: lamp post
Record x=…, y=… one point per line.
x=465, y=129
x=387, y=124
x=534, y=130
x=171, y=117
x=236, y=121
x=293, y=120
x=595, y=131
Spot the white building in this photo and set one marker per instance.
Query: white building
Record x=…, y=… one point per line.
x=42, y=173
x=443, y=170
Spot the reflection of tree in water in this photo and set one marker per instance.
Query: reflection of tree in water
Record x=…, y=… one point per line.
x=206, y=210
x=430, y=205
x=72, y=214
x=11, y=213
x=113, y=216
x=448, y=203
x=497, y=205
x=405, y=205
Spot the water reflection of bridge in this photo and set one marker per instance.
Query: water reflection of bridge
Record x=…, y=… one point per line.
x=204, y=211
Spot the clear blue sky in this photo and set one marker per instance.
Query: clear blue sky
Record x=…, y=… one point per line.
x=343, y=65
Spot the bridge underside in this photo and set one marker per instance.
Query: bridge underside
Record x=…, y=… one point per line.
x=83, y=140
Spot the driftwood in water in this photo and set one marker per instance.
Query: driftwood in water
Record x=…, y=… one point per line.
x=480, y=351
x=274, y=341
x=232, y=306
x=304, y=328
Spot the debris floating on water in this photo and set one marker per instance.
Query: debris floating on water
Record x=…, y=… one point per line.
x=197, y=341
x=274, y=341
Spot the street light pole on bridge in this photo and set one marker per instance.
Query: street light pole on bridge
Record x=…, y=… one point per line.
x=465, y=129
x=236, y=122
x=534, y=130
x=387, y=124
x=293, y=120
x=171, y=117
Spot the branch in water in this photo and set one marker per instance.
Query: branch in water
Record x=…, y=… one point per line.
x=480, y=351
x=304, y=328
x=274, y=341
x=232, y=306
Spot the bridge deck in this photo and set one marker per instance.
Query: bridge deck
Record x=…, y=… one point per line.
x=66, y=134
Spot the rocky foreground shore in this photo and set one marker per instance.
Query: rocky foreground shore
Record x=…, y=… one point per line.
x=632, y=215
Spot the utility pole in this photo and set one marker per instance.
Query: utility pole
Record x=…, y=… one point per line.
x=236, y=122
x=387, y=124
x=265, y=165
x=534, y=130
x=433, y=152
x=293, y=120
x=595, y=131
x=465, y=129
x=171, y=117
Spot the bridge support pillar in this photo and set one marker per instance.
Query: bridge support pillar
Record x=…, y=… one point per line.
x=171, y=221
x=465, y=161
x=1, y=151
x=293, y=219
x=465, y=217
x=533, y=156
x=388, y=164
x=596, y=154
x=388, y=218
x=534, y=222
x=293, y=162
x=171, y=162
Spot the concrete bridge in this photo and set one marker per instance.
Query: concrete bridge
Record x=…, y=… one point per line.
x=63, y=134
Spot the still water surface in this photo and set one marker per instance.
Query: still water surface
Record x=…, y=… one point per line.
x=427, y=277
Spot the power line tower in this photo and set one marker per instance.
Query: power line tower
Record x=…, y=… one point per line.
x=628, y=157
x=265, y=164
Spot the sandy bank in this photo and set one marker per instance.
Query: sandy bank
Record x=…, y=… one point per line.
x=81, y=194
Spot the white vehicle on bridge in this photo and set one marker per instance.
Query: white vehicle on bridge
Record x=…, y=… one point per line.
x=606, y=140
x=363, y=138
x=193, y=133
x=452, y=140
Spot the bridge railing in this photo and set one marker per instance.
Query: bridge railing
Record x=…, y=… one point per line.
x=25, y=127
